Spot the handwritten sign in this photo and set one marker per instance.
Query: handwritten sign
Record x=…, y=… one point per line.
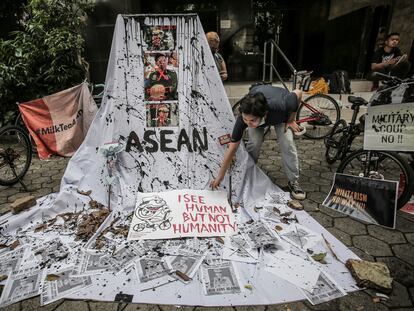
x=390, y=127
x=182, y=213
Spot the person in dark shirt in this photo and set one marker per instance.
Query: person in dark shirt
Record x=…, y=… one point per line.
x=267, y=105
x=389, y=60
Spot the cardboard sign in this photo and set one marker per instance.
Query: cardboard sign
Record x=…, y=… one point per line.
x=370, y=200
x=182, y=213
x=390, y=127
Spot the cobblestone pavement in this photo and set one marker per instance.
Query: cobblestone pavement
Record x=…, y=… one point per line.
x=370, y=242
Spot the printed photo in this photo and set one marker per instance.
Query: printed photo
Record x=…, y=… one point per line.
x=151, y=269
x=220, y=280
x=91, y=263
x=184, y=264
x=160, y=38
x=21, y=284
x=162, y=114
x=325, y=290
x=160, y=76
x=64, y=285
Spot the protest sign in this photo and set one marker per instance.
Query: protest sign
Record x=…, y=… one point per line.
x=182, y=213
x=370, y=200
x=390, y=127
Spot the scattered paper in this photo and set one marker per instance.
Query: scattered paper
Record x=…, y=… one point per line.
x=64, y=284
x=292, y=268
x=325, y=289
x=21, y=284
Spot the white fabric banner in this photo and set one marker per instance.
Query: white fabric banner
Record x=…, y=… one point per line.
x=157, y=130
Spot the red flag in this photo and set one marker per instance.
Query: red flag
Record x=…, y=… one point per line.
x=59, y=122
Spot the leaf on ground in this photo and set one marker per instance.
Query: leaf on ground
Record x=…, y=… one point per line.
x=88, y=193
x=52, y=277
x=320, y=257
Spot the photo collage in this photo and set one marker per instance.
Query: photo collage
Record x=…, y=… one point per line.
x=161, y=76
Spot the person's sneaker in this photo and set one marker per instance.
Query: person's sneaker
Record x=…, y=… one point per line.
x=296, y=191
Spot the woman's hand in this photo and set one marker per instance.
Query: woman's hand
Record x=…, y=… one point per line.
x=293, y=125
x=216, y=182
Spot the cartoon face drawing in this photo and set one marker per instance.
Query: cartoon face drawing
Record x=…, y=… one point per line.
x=154, y=212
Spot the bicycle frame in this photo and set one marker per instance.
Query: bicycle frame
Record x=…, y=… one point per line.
x=313, y=110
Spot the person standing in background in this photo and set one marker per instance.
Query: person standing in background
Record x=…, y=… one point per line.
x=214, y=42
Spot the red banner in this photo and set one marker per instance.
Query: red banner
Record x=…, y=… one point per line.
x=59, y=122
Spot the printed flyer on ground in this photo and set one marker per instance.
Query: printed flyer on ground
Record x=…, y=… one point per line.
x=370, y=200
x=182, y=213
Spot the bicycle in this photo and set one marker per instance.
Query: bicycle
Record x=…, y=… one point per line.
x=15, y=155
x=97, y=92
x=367, y=163
x=339, y=141
x=318, y=113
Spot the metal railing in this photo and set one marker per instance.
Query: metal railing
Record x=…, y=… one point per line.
x=270, y=65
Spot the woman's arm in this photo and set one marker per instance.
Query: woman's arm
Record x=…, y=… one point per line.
x=292, y=117
x=228, y=157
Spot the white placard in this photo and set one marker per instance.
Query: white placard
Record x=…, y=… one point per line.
x=390, y=127
x=182, y=213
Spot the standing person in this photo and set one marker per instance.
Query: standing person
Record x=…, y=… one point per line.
x=214, y=42
x=389, y=60
x=267, y=105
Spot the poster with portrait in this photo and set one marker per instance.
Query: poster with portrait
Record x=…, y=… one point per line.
x=160, y=37
x=160, y=76
x=220, y=279
x=370, y=200
x=149, y=269
x=162, y=114
x=182, y=213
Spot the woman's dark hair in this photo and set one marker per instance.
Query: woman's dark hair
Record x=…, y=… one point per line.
x=254, y=104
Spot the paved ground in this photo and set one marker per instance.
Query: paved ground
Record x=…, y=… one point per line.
x=370, y=242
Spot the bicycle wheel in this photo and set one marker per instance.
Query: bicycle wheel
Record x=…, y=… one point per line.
x=381, y=165
x=319, y=113
x=19, y=122
x=245, y=138
x=15, y=154
x=335, y=142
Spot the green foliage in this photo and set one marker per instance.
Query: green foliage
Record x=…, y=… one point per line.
x=44, y=57
x=267, y=16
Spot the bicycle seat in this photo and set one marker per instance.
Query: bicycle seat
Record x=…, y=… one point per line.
x=358, y=101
